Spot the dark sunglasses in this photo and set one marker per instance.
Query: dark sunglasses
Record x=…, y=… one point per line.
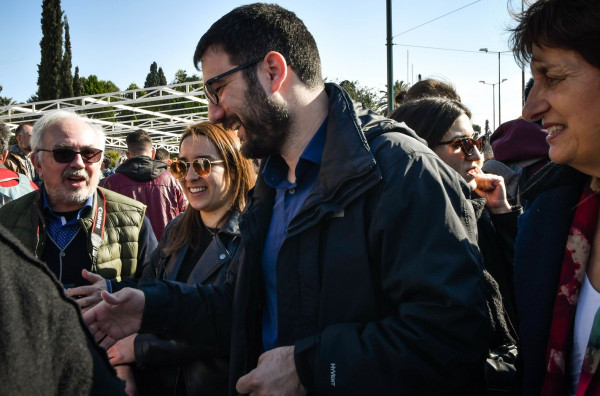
x=210, y=92
x=467, y=145
x=202, y=167
x=65, y=155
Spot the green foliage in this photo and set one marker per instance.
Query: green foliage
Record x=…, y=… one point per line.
x=93, y=86
x=181, y=76
x=367, y=96
x=66, y=78
x=113, y=157
x=6, y=101
x=52, y=51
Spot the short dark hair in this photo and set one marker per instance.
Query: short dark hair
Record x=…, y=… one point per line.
x=4, y=137
x=431, y=88
x=138, y=142
x=21, y=128
x=162, y=154
x=249, y=32
x=430, y=118
x=566, y=24
x=107, y=161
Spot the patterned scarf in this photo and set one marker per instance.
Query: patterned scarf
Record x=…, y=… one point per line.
x=577, y=253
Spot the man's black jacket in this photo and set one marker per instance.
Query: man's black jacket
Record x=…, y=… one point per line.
x=379, y=275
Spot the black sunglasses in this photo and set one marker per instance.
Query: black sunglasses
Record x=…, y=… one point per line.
x=202, y=167
x=65, y=155
x=467, y=145
x=210, y=92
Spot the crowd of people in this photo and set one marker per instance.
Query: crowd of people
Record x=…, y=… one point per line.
x=302, y=244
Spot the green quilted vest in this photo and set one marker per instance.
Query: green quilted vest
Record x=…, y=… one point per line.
x=117, y=255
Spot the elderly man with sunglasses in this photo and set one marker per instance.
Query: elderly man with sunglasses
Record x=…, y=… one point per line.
x=79, y=230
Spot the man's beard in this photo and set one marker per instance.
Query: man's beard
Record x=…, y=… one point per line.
x=77, y=196
x=267, y=123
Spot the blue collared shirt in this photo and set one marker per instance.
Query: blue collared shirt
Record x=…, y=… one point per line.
x=289, y=197
x=58, y=228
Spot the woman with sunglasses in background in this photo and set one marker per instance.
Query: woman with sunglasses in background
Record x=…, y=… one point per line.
x=445, y=125
x=196, y=248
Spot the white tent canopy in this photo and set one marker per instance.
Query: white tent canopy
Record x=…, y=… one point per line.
x=162, y=111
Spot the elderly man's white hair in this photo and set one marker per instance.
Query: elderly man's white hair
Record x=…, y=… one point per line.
x=54, y=117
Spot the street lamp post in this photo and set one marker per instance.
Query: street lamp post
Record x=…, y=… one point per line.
x=498, y=83
x=494, y=100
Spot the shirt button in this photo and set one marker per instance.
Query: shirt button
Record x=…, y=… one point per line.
x=62, y=254
x=292, y=191
x=222, y=256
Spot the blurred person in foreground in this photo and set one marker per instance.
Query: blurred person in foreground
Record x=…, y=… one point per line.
x=557, y=253
x=338, y=287
x=46, y=348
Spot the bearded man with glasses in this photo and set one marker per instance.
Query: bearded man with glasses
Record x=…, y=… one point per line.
x=84, y=234
x=358, y=272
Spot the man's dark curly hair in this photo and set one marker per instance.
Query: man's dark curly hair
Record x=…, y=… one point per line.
x=249, y=32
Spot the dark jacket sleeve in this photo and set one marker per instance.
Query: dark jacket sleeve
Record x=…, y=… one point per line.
x=194, y=314
x=422, y=240
x=151, y=351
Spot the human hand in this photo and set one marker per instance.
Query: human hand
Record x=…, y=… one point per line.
x=492, y=188
x=119, y=315
x=125, y=373
x=275, y=374
x=88, y=296
x=122, y=352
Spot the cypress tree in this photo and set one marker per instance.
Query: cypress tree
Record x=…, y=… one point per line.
x=162, y=80
x=77, y=88
x=51, y=46
x=66, y=78
x=152, y=77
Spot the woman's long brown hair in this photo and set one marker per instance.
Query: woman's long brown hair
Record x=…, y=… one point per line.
x=239, y=178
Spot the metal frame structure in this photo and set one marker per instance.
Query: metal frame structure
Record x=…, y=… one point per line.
x=162, y=111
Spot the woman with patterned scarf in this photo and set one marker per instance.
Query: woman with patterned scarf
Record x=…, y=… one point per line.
x=557, y=252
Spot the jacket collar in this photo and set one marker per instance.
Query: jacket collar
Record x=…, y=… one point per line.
x=346, y=154
x=550, y=176
x=231, y=226
x=15, y=149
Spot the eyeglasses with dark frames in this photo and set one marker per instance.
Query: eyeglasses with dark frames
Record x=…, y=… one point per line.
x=210, y=92
x=202, y=167
x=467, y=145
x=65, y=155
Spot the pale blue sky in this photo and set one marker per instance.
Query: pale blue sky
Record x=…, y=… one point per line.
x=118, y=40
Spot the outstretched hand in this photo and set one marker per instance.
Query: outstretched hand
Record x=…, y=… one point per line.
x=275, y=375
x=88, y=296
x=492, y=188
x=119, y=315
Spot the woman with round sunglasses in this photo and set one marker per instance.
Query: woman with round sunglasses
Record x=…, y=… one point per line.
x=445, y=125
x=196, y=248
